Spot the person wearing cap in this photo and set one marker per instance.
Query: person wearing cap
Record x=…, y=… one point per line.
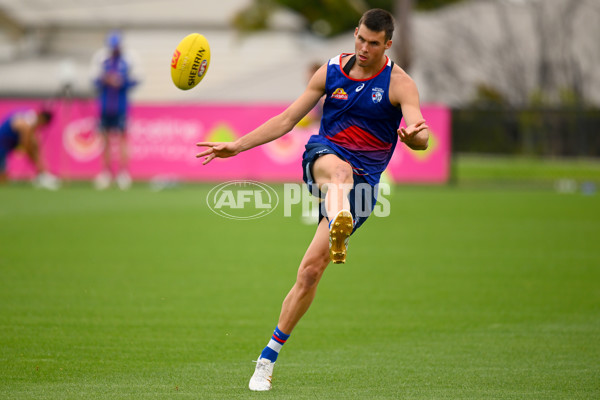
x=114, y=74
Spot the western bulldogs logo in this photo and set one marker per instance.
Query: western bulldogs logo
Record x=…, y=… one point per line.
x=377, y=95
x=202, y=68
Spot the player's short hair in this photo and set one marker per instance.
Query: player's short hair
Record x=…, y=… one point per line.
x=45, y=115
x=378, y=20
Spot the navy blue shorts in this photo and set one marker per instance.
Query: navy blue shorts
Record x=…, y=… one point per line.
x=113, y=123
x=363, y=196
x=3, y=157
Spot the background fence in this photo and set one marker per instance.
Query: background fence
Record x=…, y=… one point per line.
x=533, y=131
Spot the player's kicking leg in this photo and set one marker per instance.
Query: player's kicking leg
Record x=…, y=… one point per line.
x=334, y=176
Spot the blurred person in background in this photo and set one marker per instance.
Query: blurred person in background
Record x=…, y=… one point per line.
x=114, y=74
x=19, y=131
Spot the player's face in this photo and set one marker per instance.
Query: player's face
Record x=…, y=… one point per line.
x=370, y=46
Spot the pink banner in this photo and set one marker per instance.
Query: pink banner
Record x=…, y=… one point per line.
x=162, y=141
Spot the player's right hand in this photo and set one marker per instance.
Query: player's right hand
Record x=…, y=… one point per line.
x=217, y=149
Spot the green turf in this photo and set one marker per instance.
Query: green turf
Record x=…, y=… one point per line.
x=462, y=293
x=470, y=168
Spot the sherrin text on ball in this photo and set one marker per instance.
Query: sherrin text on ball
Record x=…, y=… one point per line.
x=190, y=61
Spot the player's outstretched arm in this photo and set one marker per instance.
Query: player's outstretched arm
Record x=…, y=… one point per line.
x=274, y=128
x=405, y=94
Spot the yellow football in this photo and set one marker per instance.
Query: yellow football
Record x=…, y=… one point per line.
x=190, y=61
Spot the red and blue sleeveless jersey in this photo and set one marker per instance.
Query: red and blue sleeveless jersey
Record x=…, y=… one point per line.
x=359, y=122
x=114, y=101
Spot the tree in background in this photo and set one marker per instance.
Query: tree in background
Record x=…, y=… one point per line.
x=402, y=46
x=555, y=74
x=328, y=18
x=515, y=52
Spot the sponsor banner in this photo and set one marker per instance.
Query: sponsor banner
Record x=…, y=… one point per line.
x=162, y=140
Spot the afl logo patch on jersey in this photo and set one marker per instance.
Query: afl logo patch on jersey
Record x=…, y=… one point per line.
x=339, y=94
x=377, y=95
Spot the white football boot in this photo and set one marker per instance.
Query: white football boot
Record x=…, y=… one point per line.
x=261, y=380
x=123, y=180
x=46, y=180
x=102, y=180
x=340, y=229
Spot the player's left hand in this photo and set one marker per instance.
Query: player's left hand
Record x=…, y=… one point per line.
x=407, y=134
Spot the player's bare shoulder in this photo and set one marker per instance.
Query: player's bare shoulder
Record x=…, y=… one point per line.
x=401, y=86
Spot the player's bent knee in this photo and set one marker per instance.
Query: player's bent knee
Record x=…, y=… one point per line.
x=342, y=174
x=330, y=168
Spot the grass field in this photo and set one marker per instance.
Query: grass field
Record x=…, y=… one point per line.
x=462, y=293
x=540, y=172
